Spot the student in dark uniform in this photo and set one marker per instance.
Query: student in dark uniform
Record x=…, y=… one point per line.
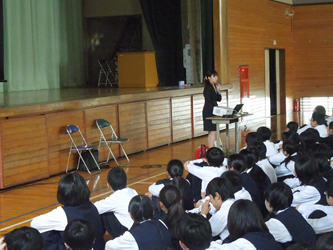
x=212, y=95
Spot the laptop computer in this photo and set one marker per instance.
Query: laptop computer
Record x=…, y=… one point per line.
x=237, y=109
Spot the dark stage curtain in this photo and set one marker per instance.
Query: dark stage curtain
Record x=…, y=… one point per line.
x=163, y=20
x=2, y=74
x=207, y=35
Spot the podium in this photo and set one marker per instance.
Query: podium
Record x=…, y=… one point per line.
x=137, y=70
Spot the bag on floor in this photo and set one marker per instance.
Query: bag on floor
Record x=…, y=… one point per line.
x=89, y=160
x=201, y=152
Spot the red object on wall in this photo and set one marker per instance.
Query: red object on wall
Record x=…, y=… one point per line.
x=244, y=81
x=296, y=105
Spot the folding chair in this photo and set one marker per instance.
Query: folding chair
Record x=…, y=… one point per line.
x=71, y=129
x=101, y=123
x=105, y=72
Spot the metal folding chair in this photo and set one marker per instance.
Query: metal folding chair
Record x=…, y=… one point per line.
x=71, y=129
x=101, y=123
x=106, y=72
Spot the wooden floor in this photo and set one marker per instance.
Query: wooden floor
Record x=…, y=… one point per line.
x=20, y=204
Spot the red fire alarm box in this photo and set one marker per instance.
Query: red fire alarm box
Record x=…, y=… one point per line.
x=244, y=81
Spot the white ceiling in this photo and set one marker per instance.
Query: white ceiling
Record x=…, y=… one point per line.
x=304, y=2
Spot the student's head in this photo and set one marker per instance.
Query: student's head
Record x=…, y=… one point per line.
x=73, y=190
x=211, y=76
x=329, y=192
x=194, y=232
x=330, y=128
x=289, y=147
x=24, y=238
x=237, y=162
x=265, y=133
x=244, y=217
x=79, y=235
x=290, y=135
x=140, y=208
x=251, y=154
x=215, y=157
x=323, y=162
x=278, y=196
x=175, y=168
x=253, y=139
x=262, y=151
x=235, y=180
x=117, y=178
x=325, y=242
x=219, y=190
x=309, y=137
x=292, y=126
x=320, y=109
x=170, y=202
x=306, y=170
x=317, y=119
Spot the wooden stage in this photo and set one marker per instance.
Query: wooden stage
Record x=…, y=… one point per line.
x=34, y=143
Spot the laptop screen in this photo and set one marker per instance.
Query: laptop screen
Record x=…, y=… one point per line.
x=238, y=108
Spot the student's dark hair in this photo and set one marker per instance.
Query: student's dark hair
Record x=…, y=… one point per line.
x=320, y=109
x=293, y=126
x=279, y=195
x=244, y=217
x=306, y=170
x=73, y=190
x=290, y=135
x=194, y=231
x=170, y=196
x=215, y=157
x=330, y=125
x=265, y=133
x=235, y=179
x=79, y=235
x=323, y=162
x=262, y=151
x=237, y=162
x=222, y=186
x=290, y=147
x=308, y=138
x=329, y=190
x=24, y=238
x=175, y=169
x=253, y=139
x=117, y=178
x=141, y=208
x=319, y=118
x=325, y=242
x=251, y=154
x=209, y=73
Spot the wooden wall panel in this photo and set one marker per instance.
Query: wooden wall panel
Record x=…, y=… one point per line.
x=158, y=122
x=132, y=125
x=59, y=141
x=109, y=113
x=24, y=150
x=198, y=102
x=181, y=118
x=313, y=41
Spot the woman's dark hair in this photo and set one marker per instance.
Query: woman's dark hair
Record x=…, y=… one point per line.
x=319, y=118
x=237, y=162
x=279, y=195
x=222, y=186
x=253, y=139
x=325, y=242
x=170, y=197
x=117, y=178
x=265, y=133
x=322, y=161
x=141, y=208
x=24, y=238
x=306, y=170
x=293, y=126
x=194, y=231
x=175, y=169
x=244, y=217
x=209, y=73
x=79, y=235
x=235, y=179
x=73, y=190
x=215, y=157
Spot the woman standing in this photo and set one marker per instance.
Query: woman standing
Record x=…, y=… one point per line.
x=212, y=95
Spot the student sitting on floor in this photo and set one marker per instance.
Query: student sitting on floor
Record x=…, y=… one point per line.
x=286, y=225
x=175, y=170
x=236, y=181
x=266, y=134
x=264, y=163
x=321, y=109
x=23, y=238
x=329, y=139
x=114, y=209
x=73, y=193
x=319, y=123
x=194, y=232
x=146, y=233
x=215, y=168
x=292, y=126
x=247, y=229
x=79, y=235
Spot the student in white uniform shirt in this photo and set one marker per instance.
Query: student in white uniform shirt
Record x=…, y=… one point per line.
x=237, y=183
x=79, y=235
x=114, y=209
x=247, y=229
x=286, y=224
x=215, y=158
x=264, y=163
x=321, y=109
x=266, y=134
x=221, y=196
x=319, y=123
